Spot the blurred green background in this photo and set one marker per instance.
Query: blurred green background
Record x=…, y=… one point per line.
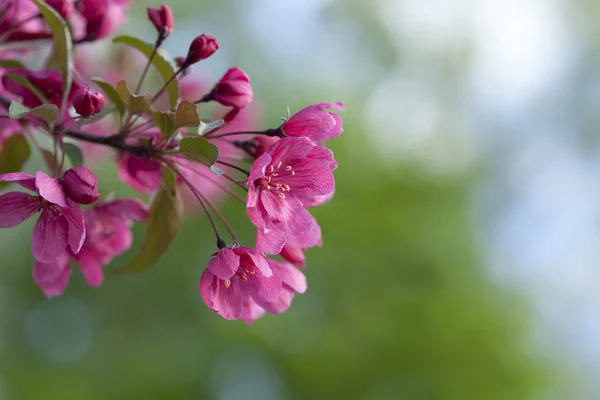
x=408, y=297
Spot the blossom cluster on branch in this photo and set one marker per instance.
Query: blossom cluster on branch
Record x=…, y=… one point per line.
x=166, y=145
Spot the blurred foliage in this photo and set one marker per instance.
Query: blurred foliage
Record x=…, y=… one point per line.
x=399, y=306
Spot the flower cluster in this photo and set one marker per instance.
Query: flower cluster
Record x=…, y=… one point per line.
x=166, y=147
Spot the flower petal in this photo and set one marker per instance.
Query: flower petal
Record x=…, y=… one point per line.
x=286, y=214
x=251, y=311
x=290, y=276
x=90, y=268
x=50, y=189
x=16, y=207
x=75, y=226
x=290, y=148
x=225, y=264
x=267, y=288
x=49, y=238
x=133, y=209
x=280, y=305
x=312, y=178
x=52, y=278
x=270, y=241
x=20, y=178
x=225, y=301
x=258, y=168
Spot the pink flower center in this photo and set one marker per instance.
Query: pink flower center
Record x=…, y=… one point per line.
x=273, y=179
x=242, y=273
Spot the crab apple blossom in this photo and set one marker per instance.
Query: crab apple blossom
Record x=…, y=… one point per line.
x=80, y=185
x=162, y=19
x=165, y=148
x=314, y=122
x=291, y=171
x=233, y=90
x=87, y=103
x=48, y=82
x=235, y=275
x=108, y=227
x=201, y=48
x=60, y=224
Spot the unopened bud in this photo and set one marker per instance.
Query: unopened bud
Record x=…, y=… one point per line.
x=201, y=48
x=162, y=18
x=87, y=103
x=80, y=185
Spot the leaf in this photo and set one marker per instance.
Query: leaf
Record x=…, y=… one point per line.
x=74, y=154
x=8, y=64
x=134, y=103
x=21, y=80
x=187, y=114
x=112, y=94
x=47, y=112
x=165, y=122
x=15, y=152
x=204, y=128
x=164, y=221
x=164, y=67
x=62, y=55
x=199, y=149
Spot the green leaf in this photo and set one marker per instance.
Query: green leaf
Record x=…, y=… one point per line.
x=8, y=64
x=21, y=80
x=165, y=122
x=112, y=94
x=199, y=149
x=74, y=154
x=204, y=128
x=187, y=114
x=15, y=153
x=164, y=221
x=62, y=55
x=48, y=112
x=164, y=67
x=134, y=103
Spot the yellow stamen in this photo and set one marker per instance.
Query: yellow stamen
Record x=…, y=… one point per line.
x=282, y=195
x=279, y=165
x=288, y=168
x=227, y=283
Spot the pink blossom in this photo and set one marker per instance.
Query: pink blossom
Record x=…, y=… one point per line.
x=87, y=103
x=12, y=15
x=108, y=227
x=162, y=19
x=290, y=172
x=102, y=17
x=292, y=281
x=234, y=276
x=60, y=224
x=49, y=82
x=296, y=246
x=314, y=122
x=233, y=90
x=64, y=7
x=141, y=173
x=80, y=185
x=201, y=48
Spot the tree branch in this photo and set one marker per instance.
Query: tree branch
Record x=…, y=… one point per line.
x=114, y=141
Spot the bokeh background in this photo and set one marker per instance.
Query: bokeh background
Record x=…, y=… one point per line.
x=461, y=250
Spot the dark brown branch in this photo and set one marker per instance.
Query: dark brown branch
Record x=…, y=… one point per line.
x=114, y=141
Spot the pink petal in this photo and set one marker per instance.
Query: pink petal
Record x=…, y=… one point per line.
x=50, y=189
x=287, y=214
x=252, y=311
x=270, y=242
x=75, y=226
x=90, y=268
x=225, y=264
x=308, y=239
x=258, y=168
x=312, y=178
x=16, y=207
x=52, y=278
x=259, y=261
x=290, y=148
x=280, y=305
x=291, y=276
x=20, y=178
x=295, y=255
x=49, y=238
x=317, y=200
x=267, y=288
x=225, y=301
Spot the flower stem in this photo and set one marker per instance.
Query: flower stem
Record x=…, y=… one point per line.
x=233, y=166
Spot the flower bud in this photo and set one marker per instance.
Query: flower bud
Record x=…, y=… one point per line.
x=162, y=18
x=63, y=7
x=87, y=103
x=80, y=185
x=202, y=47
x=233, y=90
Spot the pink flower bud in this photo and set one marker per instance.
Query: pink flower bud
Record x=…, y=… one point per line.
x=87, y=103
x=63, y=7
x=162, y=18
x=233, y=90
x=202, y=47
x=80, y=185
